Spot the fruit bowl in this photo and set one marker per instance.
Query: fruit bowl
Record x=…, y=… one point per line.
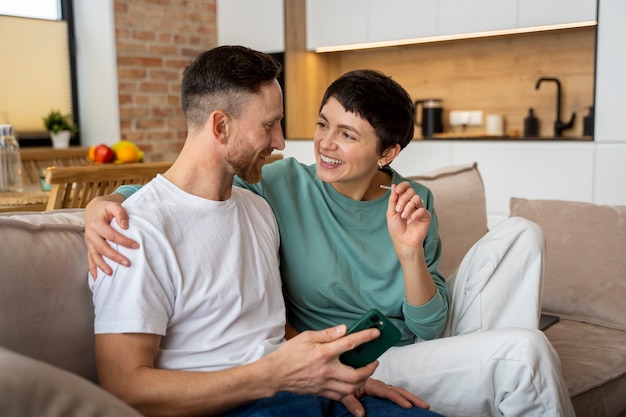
x=121, y=153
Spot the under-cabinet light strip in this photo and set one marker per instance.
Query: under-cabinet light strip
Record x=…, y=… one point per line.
x=443, y=38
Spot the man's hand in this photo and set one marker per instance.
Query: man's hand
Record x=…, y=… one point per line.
x=98, y=214
x=309, y=363
x=376, y=388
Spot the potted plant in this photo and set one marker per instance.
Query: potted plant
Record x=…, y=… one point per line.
x=61, y=127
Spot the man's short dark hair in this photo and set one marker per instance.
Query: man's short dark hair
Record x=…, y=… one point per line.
x=216, y=79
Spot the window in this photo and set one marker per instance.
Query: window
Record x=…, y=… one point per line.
x=38, y=71
x=40, y=9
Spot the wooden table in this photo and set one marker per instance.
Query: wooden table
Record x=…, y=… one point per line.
x=23, y=201
x=34, y=164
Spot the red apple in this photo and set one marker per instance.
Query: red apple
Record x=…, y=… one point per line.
x=103, y=154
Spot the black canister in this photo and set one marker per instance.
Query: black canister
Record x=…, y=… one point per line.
x=588, y=123
x=531, y=125
x=431, y=116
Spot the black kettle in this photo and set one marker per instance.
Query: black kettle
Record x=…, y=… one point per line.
x=431, y=116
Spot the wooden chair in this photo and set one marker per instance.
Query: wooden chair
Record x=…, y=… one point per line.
x=35, y=161
x=74, y=187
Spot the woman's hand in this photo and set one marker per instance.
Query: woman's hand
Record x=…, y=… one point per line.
x=407, y=219
x=408, y=222
x=376, y=388
x=98, y=214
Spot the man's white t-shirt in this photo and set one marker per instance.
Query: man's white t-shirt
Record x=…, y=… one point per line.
x=206, y=278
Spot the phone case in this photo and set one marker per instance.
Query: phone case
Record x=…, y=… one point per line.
x=370, y=351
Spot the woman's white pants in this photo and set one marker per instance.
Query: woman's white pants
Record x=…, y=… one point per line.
x=491, y=359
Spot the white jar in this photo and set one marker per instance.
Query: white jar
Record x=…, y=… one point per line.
x=495, y=125
x=10, y=161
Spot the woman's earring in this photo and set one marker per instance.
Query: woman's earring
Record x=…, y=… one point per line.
x=380, y=165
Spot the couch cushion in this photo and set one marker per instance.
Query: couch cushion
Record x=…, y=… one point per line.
x=461, y=210
x=585, y=276
x=46, y=310
x=593, y=358
x=33, y=388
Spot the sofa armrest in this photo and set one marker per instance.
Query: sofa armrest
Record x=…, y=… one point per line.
x=32, y=388
x=46, y=310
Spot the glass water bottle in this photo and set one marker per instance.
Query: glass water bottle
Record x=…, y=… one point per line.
x=10, y=161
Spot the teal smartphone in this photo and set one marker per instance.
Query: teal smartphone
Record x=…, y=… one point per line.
x=370, y=351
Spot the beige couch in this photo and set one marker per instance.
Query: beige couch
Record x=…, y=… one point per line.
x=46, y=315
x=585, y=279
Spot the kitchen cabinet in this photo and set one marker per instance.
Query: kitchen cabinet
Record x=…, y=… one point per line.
x=258, y=24
x=336, y=22
x=344, y=22
x=460, y=16
x=541, y=12
x=401, y=19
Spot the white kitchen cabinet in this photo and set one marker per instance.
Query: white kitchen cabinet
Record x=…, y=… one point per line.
x=461, y=16
x=336, y=22
x=258, y=24
x=343, y=22
x=549, y=12
x=401, y=19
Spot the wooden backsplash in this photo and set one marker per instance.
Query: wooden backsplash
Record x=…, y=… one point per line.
x=495, y=75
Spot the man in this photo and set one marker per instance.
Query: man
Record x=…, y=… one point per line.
x=195, y=326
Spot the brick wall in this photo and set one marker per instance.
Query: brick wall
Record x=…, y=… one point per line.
x=155, y=41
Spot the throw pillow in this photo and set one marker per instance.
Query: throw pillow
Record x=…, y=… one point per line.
x=585, y=271
x=459, y=198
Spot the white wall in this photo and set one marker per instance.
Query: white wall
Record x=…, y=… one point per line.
x=610, y=124
x=534, y=170
x=96, y=61
x=610, y=71
x=302, y=150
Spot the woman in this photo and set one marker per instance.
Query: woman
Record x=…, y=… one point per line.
x=348, y=245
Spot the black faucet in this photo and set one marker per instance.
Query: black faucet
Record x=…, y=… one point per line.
x=559, y=126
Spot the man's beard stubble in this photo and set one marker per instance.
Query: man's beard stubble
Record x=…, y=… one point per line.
x=246, y=165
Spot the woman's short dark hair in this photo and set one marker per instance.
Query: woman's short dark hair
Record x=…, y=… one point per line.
x=379, y=100
x=216, y=79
